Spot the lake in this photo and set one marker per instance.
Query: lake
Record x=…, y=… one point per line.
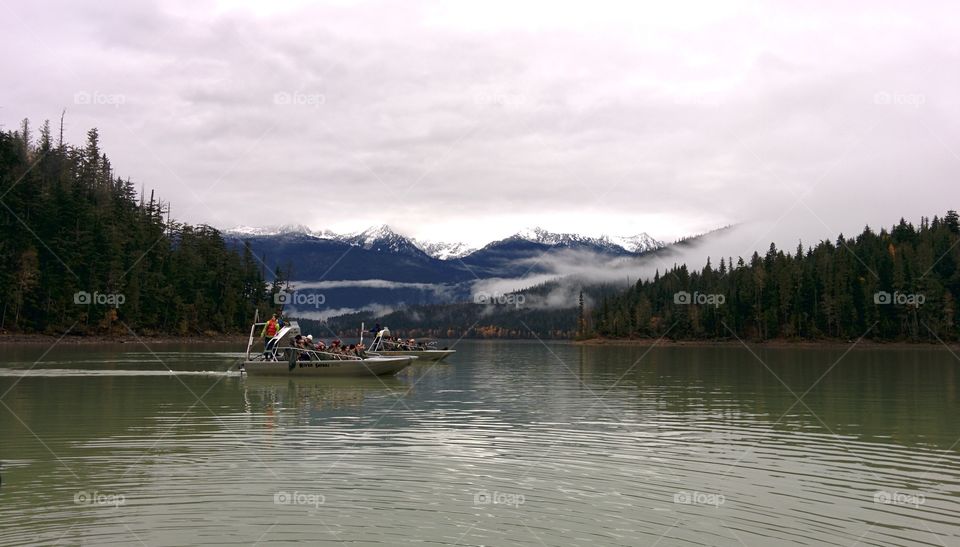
x=508, y=443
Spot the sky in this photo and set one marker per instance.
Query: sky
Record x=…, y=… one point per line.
x=468, y=121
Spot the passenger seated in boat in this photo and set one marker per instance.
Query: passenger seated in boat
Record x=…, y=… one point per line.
x=294, y=345
x=299, y=342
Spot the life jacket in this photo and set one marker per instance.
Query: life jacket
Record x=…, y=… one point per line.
x=271, y=328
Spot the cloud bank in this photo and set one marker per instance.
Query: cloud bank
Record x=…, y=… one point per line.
x=468, y=121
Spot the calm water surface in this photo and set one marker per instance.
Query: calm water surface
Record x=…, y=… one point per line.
x=510, y=443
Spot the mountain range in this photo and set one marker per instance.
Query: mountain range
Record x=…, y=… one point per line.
x=383, y=238
x=381, y=267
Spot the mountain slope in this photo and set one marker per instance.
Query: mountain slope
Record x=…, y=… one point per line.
x=362, y=257
x=639, y=243
x=378, y=266
x=529, y=251
x=383, y=239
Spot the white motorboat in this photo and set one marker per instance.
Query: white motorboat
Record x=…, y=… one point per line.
x=381, y=345
x=281, y=358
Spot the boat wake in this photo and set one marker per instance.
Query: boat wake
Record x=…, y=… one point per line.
x=73, y=372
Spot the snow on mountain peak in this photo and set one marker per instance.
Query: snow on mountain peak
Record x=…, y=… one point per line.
x=639, y=243
x=444, y=251
x=384, y=237
x=374, y=234
x=274, y=230
x=540, y=235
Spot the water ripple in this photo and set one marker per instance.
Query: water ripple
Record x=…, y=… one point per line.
x=514, y=451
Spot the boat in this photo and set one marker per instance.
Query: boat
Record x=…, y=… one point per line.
x=281, y=358
x=423, y=352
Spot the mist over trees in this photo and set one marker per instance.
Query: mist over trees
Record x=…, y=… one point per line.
x=901, y=284
x=518, y=316
x=82, y=250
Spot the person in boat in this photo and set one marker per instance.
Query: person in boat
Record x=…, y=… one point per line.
x=269, y=330
x=320, y=346
x=361, y=350
x=300, y=342
x=295, y=345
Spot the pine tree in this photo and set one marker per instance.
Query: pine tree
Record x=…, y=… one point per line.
x=68, y=224
x=827, y=291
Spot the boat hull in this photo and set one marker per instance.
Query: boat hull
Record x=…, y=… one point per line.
x=421, y=355
x=374, y=366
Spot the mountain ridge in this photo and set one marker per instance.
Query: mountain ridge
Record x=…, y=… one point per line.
x=383, y=237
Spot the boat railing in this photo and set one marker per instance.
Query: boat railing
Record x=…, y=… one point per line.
x=395, y=346
x=322, y=355
x=379, y=344
x=253, y=327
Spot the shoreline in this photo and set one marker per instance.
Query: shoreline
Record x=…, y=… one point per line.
x=239, y=339
x=774, y=344
x=106, y=339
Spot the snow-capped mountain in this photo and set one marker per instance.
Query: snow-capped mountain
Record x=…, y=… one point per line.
x=406, y=271
x=383, y=239
x=284, y=229
x=444, y=251
x=639, y=243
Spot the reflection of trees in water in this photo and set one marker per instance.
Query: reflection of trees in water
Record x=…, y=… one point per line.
x=908, y=396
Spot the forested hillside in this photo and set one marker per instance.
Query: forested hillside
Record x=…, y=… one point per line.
x=461, y=320
x=81, y=250
x=901, y=284
x=546, y=311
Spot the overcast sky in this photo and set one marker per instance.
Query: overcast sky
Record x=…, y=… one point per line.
x=455, y=121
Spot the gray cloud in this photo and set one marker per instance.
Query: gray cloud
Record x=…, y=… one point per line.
x=470, y=121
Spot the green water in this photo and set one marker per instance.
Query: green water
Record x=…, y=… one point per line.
x=510, y=443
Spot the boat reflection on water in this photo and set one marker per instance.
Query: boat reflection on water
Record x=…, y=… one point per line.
x=269, y=394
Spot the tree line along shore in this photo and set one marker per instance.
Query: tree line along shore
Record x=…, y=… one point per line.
x=901, y=285
x=83, y=252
